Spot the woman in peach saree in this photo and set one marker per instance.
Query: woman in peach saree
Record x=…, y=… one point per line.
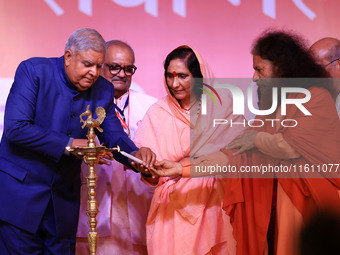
x=186, y=215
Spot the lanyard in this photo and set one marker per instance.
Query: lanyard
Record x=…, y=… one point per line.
x=121, y=111
x=121, y=116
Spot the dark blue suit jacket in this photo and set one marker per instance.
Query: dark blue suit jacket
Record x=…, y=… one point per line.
x=41, y=114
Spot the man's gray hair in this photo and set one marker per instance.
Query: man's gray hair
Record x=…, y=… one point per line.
x=85, y=39
x=121, y=44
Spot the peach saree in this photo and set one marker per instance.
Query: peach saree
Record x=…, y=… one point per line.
x=186, y=215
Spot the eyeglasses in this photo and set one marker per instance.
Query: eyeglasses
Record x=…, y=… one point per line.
x=128, y=70
x=332, y=61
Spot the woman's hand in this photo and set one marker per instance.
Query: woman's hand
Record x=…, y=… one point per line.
x=166, y=168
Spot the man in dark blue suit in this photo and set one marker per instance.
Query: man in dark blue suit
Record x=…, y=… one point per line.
x=39, y=180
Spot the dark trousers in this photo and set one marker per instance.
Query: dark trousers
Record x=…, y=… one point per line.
x=14, y=240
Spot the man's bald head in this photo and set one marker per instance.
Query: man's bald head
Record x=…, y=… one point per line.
x=119, y=55
x=326, y=52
